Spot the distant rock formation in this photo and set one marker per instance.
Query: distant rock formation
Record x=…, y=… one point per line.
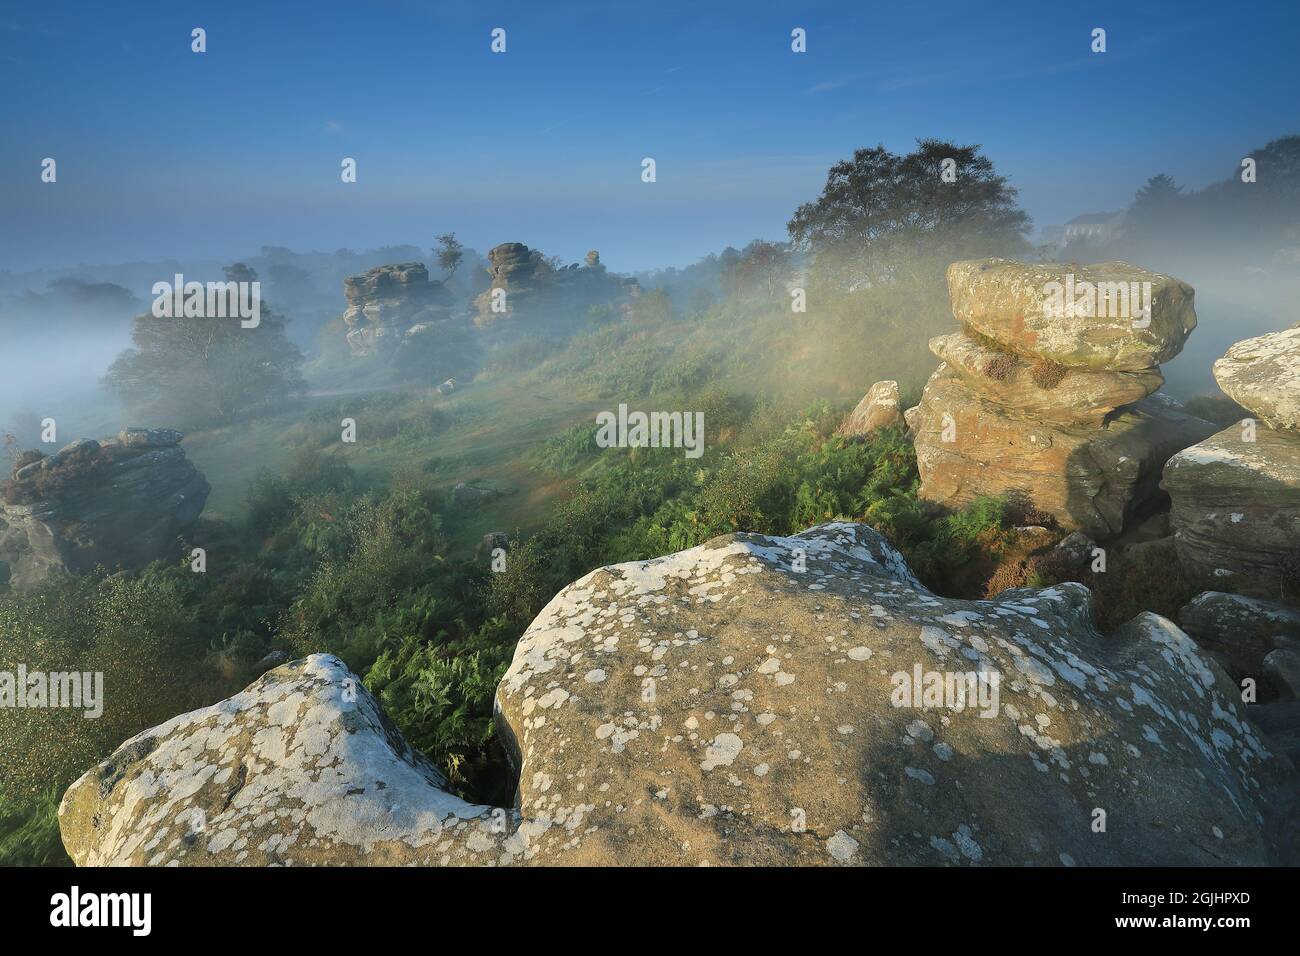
x=754, y=700
x=120, y=502
x=878, y=409
x=1052, y=402
x=1236, y=495
x=390, y=302
x=521, y=281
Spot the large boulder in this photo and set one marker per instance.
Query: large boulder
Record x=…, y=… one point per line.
x=1240, y=631
x=1074, y=396
x=1091, y=316
x=302, y=767
x=878, y=409
x=1236, y=511
x=1263, y=375
x=1090, y=479
x=743, y=702
x=122, y=502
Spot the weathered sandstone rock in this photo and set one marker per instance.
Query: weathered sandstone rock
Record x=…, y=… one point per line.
x=1282, y=667
x=1015, y=304
x=120, y=503
x=1236, y=512
x=1081, y=396
x=386, y=303
x=1263, y=375
x=878, y=409
x=1090, y=479
x=1240, y=631
x=721, y=706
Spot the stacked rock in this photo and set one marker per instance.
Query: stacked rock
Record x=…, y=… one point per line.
x=512, y=269
x=1045, y=394
x=387, y=302
x=1236, y=495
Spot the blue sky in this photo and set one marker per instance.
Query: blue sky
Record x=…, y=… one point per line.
x=162, y=152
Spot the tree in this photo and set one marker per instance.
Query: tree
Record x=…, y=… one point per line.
x=881, y=215
x=200, y=372
x=450, y=253
x=762, y=264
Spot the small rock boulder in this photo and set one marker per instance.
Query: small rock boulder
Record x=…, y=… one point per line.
x=878, y=409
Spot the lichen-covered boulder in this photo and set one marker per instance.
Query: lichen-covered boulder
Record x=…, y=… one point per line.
x=878, y=409
x=1236, y=511
x=1263, y=375
x=753, y=700
x=302, y=768
x=1111, y=315
x=1240, y=631
x=1078, y=396
x=1090, y=479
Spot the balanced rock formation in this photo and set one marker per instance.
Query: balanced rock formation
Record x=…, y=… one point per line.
x=120, y=502
x=521, y=279
x=1047, y=397
x=878, y=409
x=386, y=303
x=1111, y=316
x=753, y=700
x=1236, y=495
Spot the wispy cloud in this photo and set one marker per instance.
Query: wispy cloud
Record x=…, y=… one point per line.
x=835, y=84
x=333, y=126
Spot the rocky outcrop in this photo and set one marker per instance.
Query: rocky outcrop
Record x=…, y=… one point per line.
x=388, y=303
x=1088, y=479
x=1236, y=495
x=122, y=502
x=523, y=281
x=1051, y=403
x=753, y=700
x=878, y=409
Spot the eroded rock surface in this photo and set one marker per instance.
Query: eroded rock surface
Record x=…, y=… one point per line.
x=1082, y=396
x=302, y=767
x=878, y=409
x=121, y=502
x=387, y=302
x=1236, y=511
x=1014, y=303
x=1240, y=631
x=1091, y=479
x=1263, y=375
x=740, y=702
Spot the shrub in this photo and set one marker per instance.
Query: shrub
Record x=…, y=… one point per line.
x=1000, y=367
x=1047, y=374
x=29, y=831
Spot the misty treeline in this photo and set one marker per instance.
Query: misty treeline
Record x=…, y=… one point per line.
x=867, y=253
